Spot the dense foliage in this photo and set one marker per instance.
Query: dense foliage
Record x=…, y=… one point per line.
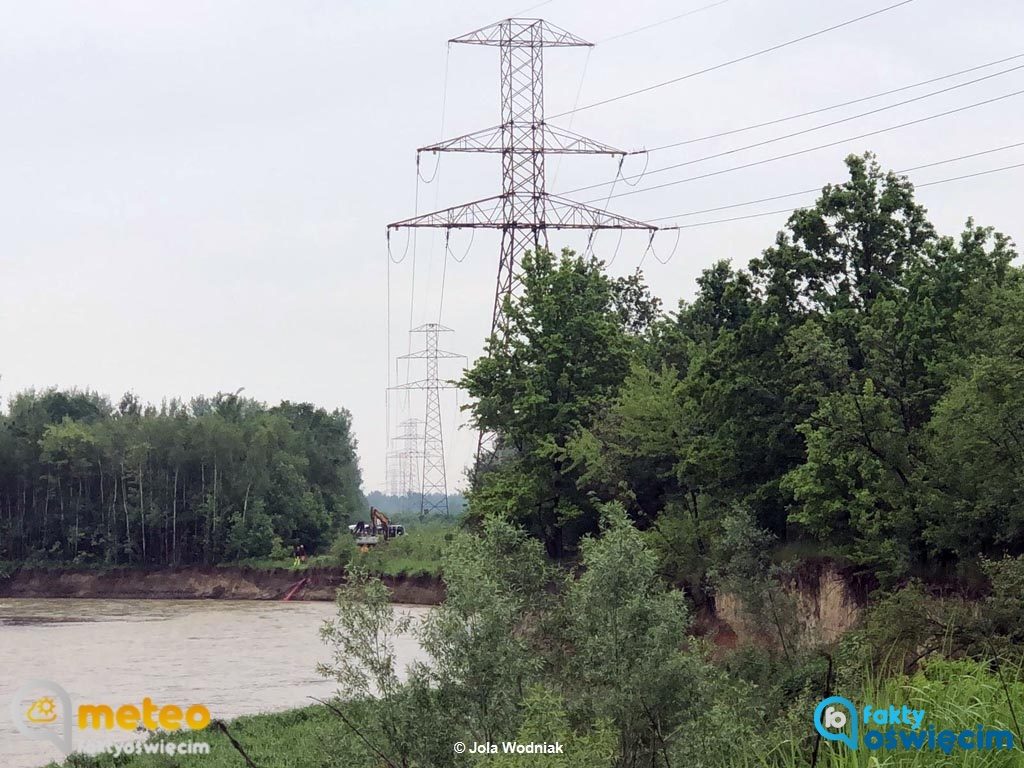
x=215, y=479
x=599, y=664
x=858, y=387
x=601, y=661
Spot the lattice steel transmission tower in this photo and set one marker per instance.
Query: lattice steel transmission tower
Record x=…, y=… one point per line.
x=524, y=210
x=434, y=478
x=404, y=460
x=393, y=473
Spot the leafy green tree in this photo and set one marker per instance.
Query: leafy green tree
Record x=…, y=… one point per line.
x=857, y=488
x=626, y=633
x=404, y=726
x=213, y=479
x=568, y=346
x=479, y=639
x=976, y=442
x=67, y=449
x=250, y=535
x=848, y=249
x=545, y=721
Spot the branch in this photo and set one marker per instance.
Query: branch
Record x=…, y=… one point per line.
x=356, y=731
x=219, y=724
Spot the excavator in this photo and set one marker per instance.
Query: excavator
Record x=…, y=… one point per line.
x=370, y=534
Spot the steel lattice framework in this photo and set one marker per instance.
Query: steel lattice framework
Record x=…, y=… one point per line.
x=434, y=478
x=403, y=461
x=524, y=211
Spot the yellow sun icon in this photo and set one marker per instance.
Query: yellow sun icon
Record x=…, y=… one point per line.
x=42, y=710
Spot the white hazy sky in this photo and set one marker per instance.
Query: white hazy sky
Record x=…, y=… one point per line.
x=193, y=194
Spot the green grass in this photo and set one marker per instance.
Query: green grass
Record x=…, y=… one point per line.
x=956, y=696
x=417, y=553
x=311, y=737
x=273, y=564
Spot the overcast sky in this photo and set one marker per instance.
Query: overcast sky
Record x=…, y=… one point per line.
x=193, y=195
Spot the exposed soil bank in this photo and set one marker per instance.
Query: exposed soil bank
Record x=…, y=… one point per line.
x=828, y=599
x=198, y=582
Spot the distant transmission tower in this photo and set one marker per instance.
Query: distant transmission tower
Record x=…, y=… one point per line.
x=524, y=210
x=407, y=455
x=393, y=473
x=434, y=480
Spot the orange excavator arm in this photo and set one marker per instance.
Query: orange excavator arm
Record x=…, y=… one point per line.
x=379, y=520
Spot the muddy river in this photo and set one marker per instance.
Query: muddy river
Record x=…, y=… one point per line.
x=234, y=657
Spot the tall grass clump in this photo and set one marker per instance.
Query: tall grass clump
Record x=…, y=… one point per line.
x=956, y=695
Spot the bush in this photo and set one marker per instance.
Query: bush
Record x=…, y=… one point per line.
x=343, y=550
x=250, y=534
x=417, y=553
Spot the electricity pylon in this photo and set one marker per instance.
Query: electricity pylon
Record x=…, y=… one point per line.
x=434, y=480
x=393, y=473
x=407, y=456
x=524, y=210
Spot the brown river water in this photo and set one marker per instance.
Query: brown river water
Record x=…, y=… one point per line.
x=234, y=657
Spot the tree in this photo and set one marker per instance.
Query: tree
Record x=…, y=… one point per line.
x=568, y=346
x=850, y=248
x=626, y=630
x=479, y=639
x=214, y=479
x=545, y=721
x=976, y=450
x=857, y=488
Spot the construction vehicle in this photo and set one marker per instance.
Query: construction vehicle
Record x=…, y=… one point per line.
x=380, y=528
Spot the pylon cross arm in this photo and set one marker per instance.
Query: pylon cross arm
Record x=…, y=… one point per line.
x=553, y=141
x=489, y=213
x=425, y=354
x=425, y=384
x=522, y=33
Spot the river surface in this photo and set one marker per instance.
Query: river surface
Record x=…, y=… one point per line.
x=234, y=657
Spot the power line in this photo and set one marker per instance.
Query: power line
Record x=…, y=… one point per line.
x=579, y=93
x=739, y=59
x=793, y=210
x=820, y=146
x=532, y=8
x=663, y=21
x=801, y=132
x=818, y=189
x=970, y=175
x=831, y=107
x=437, y=189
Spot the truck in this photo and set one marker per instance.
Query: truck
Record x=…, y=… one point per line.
x=379, y=529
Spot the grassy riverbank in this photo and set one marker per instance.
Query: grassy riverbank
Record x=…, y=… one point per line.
x=416, y=554
x=299, y=738
x=953, y=695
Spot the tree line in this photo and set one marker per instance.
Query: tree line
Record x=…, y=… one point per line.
x=855, y=391
x=210, y=480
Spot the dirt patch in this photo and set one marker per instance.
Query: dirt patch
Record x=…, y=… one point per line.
x=829, y=603
x=206, y=583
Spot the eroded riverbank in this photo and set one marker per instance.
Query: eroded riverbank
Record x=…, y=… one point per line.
x=206, y=583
